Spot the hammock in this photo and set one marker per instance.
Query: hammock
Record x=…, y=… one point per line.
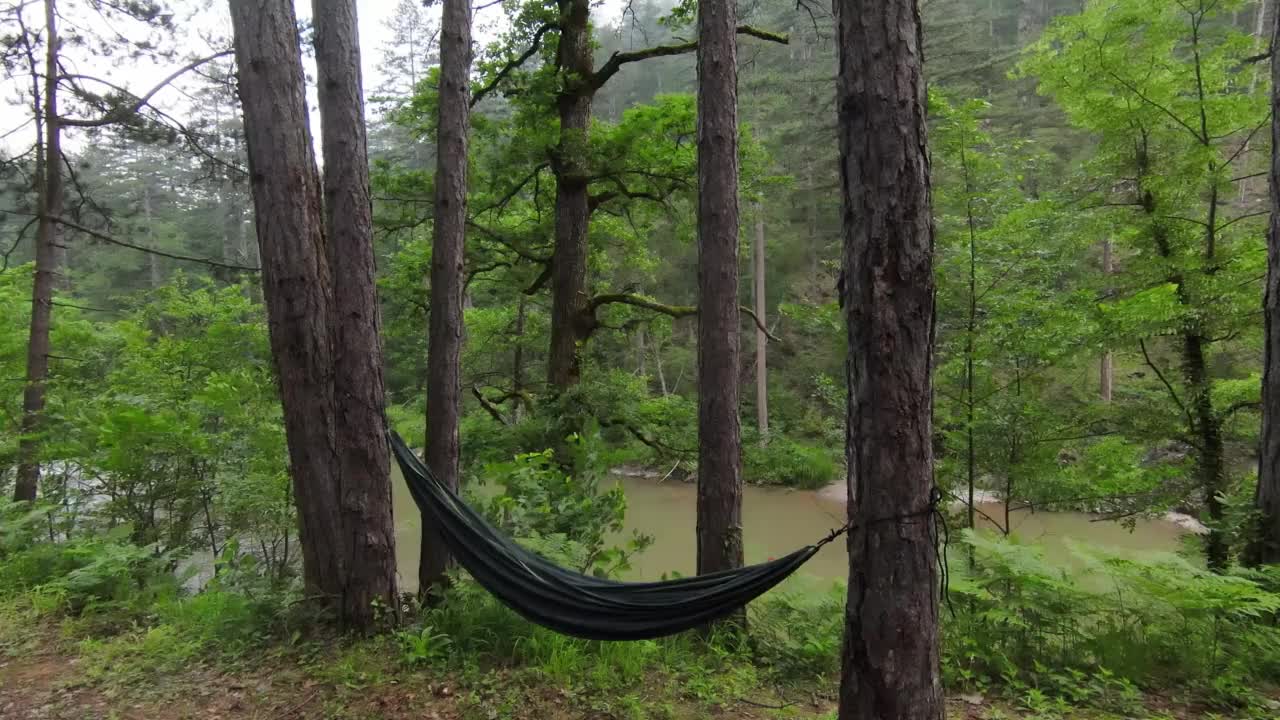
x=575, y=604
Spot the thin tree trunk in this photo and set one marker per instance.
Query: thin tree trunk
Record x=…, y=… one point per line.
x=815, y=245
x=1265, y=545
x=1107, y=371
x=890, y=666
x=445, y=332
x=642, y=360
x=49, y=198
x=762, y=340
x=569, y=257
x=719, y=513
x=970, y=347
x=360, y=431
x=153, y=260
x=1259, y=27
x=295, y=273
x=517, y=363
x=657, y=363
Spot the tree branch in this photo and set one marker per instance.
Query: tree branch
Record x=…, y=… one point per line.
x=173, y=256
x=1168, y=386
x=502, y=202
x=540, y=281
x=488, y=406
x=1236, y=407
x=115, y=115
x=618, y=59
x=507, y=243
x=513, y=64
x=673, y=311
x=759, y=321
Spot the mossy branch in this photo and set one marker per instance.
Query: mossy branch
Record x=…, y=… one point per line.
x=673, y=311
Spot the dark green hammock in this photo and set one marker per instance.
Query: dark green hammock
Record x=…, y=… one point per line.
x=577, y=604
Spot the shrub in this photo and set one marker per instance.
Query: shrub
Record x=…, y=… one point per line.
x=1155, y=622
x=81, y=574
x=796, y=633
x=786, y=462
x=567, y=511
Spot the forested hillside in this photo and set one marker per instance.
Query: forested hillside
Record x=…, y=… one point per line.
x=1097, y=176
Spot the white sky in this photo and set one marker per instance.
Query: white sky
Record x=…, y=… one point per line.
x=207, y=18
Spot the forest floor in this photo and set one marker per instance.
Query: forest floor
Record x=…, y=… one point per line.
x=47, y=675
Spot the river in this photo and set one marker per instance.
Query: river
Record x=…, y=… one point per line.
x=777, y=521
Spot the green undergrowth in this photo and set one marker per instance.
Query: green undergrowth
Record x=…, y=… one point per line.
x=1108, y=635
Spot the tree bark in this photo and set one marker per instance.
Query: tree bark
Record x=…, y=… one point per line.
x=762, y=340
x=1207, y=426
x=364, y=462
x=569, y=257
x=719, y=507
x=49, y=199
x=1265, y=544
x=890, y=666
x=445, y=331
x=295, y=274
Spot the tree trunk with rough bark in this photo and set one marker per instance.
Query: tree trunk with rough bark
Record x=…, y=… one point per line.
x=445, y=331
x=719, y=512
x=762, y=340
x=1265, y=545
x=295, y=274
x=569, y=257
x=1210, y=460
x=890, y=666
x=49, y=199
x=364, y=461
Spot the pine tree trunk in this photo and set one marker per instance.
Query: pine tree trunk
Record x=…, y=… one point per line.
x=364, y=461
x=445, y=331
x=295, y=274
x=719, y=507
x=890, y=664
x=49, y=199
x=569, y=257
x=1265, y=545
x=762, y=341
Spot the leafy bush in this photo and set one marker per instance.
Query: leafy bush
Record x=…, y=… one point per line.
x=1026, y=625
x=79, y=575
x=786, y=462
x=797, y=633
x=567, y=510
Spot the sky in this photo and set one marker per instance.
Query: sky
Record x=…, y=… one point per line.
x=200, y=20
